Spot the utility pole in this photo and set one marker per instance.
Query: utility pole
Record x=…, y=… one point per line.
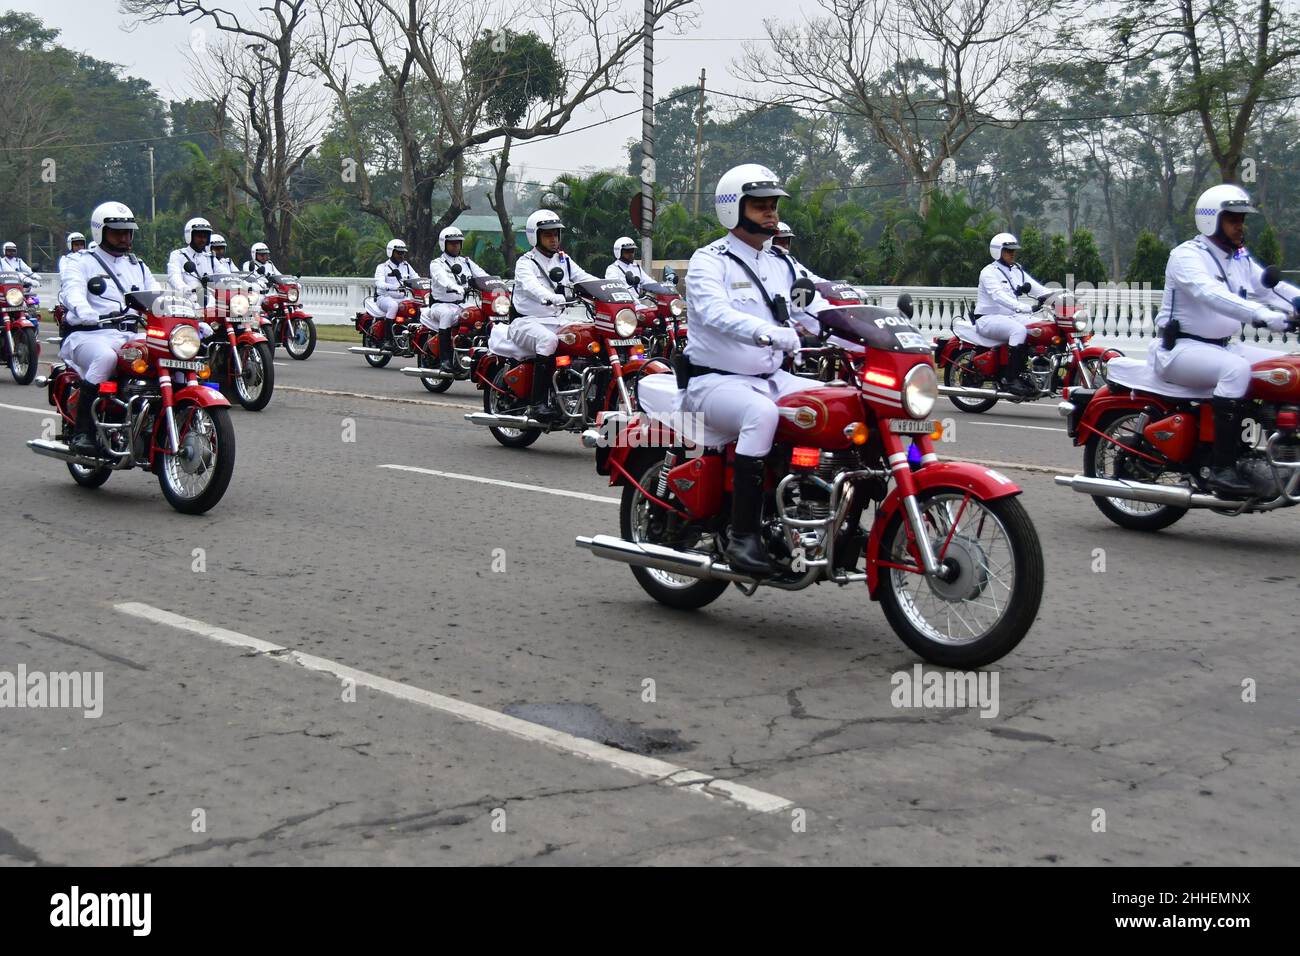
x=699, y=132
x=648, y=137
x=153, y=202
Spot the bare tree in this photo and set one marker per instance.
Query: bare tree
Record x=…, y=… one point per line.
x=924, y=75
x=260, y=73
x=430, y=56
x=500, y=164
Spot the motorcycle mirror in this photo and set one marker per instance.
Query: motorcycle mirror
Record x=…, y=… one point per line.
x=1272, y=276
x=670, y=276
x=802, y=292
x=456, y=269
x=97, y=285
x=905, y=304
x=189, y=266
x=634, y=281
x=556, y=274
x=1024, y=287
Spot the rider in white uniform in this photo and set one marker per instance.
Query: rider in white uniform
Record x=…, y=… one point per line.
x=625, y=268
x=734, y=380
x=448, y=292
x=198, y=233
x=390, y=276
x=221, y=265
x=90, y=350
x=1212, y=289
x=76, y=243
x=539, y=300
x=781, y=243
x=12, y=262
x=261, y=263
x=1001, y=315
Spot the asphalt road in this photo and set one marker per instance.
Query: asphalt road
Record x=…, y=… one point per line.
x=1123, y=707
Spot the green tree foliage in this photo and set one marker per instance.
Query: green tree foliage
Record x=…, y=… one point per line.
x=1085, y=259
x=828, y=235
x=949, y=245
x=518, y=68
x=1149, y=260
x=594, y=210
x=1266, y=249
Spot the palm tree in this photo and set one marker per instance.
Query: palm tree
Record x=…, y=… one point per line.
x=947, y=245
x=594, y=210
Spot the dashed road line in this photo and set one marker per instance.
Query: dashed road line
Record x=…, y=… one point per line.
x=582, y=496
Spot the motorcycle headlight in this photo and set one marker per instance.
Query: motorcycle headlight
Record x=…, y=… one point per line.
x=920, y=390
x=624, y=323
x=291, y=294
x=677, y=307
x=239, y=305
x=184, y=342
x=500, y=305
x=1081, y=322
x=14, y=297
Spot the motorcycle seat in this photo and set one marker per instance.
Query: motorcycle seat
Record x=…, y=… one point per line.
x=660, y=399
x=965, y=330
x=1138, y=375
x=372, y=307
x=499, y=343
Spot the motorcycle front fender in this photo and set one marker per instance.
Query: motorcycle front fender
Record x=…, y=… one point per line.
x=200, y=395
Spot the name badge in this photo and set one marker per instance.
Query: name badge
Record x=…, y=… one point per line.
x=742, y=285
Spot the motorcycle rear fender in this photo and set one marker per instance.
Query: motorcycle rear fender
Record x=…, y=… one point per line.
x=961, y=477
x=200, y=395
x=1102, y=404
x=1100, y=352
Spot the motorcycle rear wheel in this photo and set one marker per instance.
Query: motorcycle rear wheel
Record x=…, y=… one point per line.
x=981, y=615
x=435, y=385
x=961, y=373
x=375, y=361
x=89, y=477
x=495, y=403
x=675, y=590
x=1100, y=460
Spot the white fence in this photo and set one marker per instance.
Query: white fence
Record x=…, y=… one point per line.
x=1120, y=317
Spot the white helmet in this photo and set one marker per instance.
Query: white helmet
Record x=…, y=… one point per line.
x=115, y=215
x=1003, y=240
x=197, y=225
x=542, y=219
x=75, y=237
x=259, y=247
x=216, y=240
x=11, y=245
x=751, y=179
x=394, y=245
x=621, y=243
x=1218, y=199
x=783, y=231
x=450, y=234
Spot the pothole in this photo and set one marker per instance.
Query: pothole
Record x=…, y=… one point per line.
x=587, y=722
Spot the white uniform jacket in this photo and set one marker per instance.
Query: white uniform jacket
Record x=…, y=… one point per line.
x=535, y=295
x=997, y=289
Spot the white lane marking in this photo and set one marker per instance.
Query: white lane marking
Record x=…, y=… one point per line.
x=1046, y=469
x=28, y=408
x=377, y=398
x=582, y=496
x=1035, y=428
x=650, y=767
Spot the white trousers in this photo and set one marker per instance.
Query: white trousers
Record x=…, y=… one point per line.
x=93, y=354
x=743, y=406
x=1005, y=328
x=389, y=304
x=533, y=336
x=1204, y=366
x=441, y=315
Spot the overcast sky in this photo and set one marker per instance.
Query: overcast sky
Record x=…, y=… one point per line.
x=155, y=53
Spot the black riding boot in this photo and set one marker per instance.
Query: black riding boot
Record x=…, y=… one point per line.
x=445, y=350
x=746, y=551
x=542, y=409
x=1225, y=480
x=85, y=437
x=1015, y=377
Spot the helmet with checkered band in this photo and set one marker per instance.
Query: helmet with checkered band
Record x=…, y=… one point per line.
x=749, y=179
x=1217, y=200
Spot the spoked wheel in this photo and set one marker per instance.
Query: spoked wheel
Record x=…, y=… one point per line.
x=991, y=597
x=194, y=479
x=1103, y=459
x=253, y=389
x=962, y=373
x=435, y=385
x=375, y=361
x=642, y=521
x=22, y=364
x=497, y=403
x=299, y=337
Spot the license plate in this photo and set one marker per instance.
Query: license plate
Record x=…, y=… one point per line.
x=620, y=343
x=192, y=365
x=910, y=426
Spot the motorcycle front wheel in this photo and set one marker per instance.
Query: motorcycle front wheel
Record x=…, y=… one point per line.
x=253, y=389
x=299, y=338
x=988, y=605
x=194, y=479
x=22, y=364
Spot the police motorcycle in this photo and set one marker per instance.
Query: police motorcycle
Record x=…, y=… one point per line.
x=239, y=357
x=19, y=348
x=855, y=495
x=382, y=339
x=157, y=412
x=487, y=301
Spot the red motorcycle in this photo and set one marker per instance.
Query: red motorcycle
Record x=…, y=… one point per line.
x=664, y=336
x=155, y=413
x=597, y=367
x=239, y=356
x=283, y=320
x=19, y=348
x=950, y=552
x=381, y=339
x=488, y=301
x=1148, y=444
x=1060, y=358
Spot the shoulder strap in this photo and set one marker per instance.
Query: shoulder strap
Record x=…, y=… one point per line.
x=112, y=275
x=1200, y=244
x=778, y=308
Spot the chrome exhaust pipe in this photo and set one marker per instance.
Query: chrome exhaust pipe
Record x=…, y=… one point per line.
x=1171, y=495
x=40, y=381
x=592, y=438
x=983, y=393
x=660, y=558
x=504, y=421
x=57, y=449
x=366, y=350
x=417, y=372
